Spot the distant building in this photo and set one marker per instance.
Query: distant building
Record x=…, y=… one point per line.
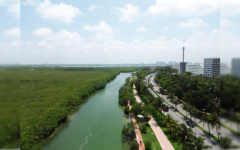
x=195, y=69
x=212, y=67
x=225, y=69
x=160, y=63
x=172, y=62
x=177, y=66
x=182, y=68
x=236, y=67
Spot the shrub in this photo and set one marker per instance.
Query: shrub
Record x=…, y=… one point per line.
x=143, y=129
x=126, y=110
x=134, y=145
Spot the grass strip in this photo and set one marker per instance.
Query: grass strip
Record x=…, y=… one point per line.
x=147, y=137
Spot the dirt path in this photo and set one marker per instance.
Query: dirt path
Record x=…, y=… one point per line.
x=162, y=139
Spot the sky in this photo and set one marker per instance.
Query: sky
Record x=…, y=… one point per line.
x=116, y=32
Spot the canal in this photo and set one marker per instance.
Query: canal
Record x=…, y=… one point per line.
x=96, y=125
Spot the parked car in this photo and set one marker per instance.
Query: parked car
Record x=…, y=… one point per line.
x=190, y=124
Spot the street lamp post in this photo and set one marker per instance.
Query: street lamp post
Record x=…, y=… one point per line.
x=151, y=141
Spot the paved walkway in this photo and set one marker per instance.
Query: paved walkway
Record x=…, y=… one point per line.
x=162, y=139
x=138, y=134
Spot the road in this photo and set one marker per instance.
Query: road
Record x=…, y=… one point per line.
x=208, y=140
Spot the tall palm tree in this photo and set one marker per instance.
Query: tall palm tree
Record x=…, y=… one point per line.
x=214, y=121
x=167, y=119
x=185, y=107
x=205, y=119
x=185, y=134
x=171, y=96
x=176, y=102
x=173, y=126
x=157, y=102
x=197, y=144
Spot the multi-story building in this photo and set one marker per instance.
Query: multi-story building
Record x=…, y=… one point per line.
x=195, y=69
x=236, y=67
x=212, y=67
x=177, y=66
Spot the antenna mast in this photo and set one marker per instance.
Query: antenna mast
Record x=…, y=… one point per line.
x=183, y=49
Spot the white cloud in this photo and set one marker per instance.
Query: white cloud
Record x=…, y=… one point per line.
x=62, y=12
x=31, y=2
x=41, y=43
x=184, y=7
x=194, y=24
x=230, y=7
x=62, y=36
x=102, y=27
x=14, y=8
x=42, y=32
x=165, y=28
x=226, y=23
x=2, y=2
x=141, y=29
x=128, y=12
x=15, y=32
x=91, y=8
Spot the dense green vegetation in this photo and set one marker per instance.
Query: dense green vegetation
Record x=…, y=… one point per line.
x=126, y=93
x=198, y=91
x=230, y=93
x=9, y=108
x=49, y=95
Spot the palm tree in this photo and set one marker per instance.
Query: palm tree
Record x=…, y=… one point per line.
x=173, y=125
x=167, y=119
x=157, y=103
x=214, y=121
x=226, y=143
x=197, y=144
x=205, y=119
x=185, y=134
x=194, y=111
x=185, y=107
x=176, y=102
x=171, y=96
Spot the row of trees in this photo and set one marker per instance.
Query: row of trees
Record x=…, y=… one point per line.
x=198, y=90
x=186, y=136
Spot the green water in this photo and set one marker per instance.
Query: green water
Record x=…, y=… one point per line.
x=96, y=125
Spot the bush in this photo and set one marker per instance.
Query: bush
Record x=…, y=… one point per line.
x=147, y=145
x=143, y=129
x=134, y=145
x=126, y=110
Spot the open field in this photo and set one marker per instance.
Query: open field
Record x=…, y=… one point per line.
x=49, y=95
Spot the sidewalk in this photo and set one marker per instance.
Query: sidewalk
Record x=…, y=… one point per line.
x=138, y=134
x=162, y=139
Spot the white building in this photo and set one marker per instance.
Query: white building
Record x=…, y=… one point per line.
x=236, y=67
x=212, y=67
x=177, y=66
x=195, y=69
